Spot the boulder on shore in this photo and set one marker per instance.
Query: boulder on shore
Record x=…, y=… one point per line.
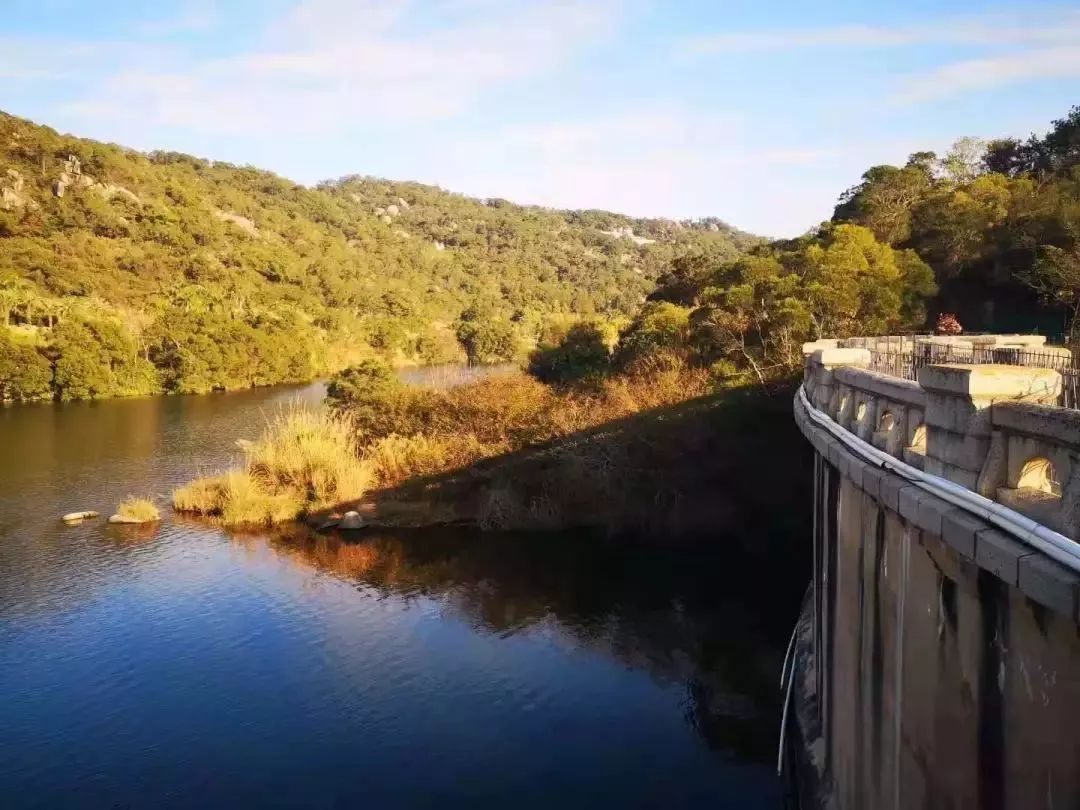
x=351, y=520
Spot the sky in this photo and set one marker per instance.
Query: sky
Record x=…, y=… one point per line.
x=759, y=112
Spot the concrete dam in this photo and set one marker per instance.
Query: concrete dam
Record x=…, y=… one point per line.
x=936, y=662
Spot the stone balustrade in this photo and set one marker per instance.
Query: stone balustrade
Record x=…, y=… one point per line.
x=992, y=428
x=1032, y=463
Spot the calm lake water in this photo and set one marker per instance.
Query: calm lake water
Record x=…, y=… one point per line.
x=182, y=665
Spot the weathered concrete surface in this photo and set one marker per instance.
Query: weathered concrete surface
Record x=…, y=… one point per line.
x=938, y=663
x=958, y=413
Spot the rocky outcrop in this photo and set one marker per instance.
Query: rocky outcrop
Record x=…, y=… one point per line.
x=110, y=190
x=243, y=223
x=628, y=233
x=11, y=192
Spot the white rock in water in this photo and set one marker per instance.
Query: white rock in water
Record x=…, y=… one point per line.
x=126, y=519
x=351, y=520
x=72, y=517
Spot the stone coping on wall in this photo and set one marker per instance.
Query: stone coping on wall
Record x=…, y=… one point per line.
x=1026, y=457
x=908, y=392
x=970, y=536
x=991, y=381
x=1061, y=425
x=1030, y=342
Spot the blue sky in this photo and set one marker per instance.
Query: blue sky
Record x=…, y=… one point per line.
x=760, y=113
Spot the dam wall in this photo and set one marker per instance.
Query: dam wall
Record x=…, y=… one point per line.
x=936, y=663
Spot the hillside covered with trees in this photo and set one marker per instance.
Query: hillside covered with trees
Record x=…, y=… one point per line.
x=998, y=221
x=990, y=231
x=128, y=273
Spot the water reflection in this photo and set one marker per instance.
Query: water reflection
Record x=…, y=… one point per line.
x=692, y=616
x=174, y=665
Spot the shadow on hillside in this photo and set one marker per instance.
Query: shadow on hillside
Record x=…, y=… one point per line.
x=728, y=463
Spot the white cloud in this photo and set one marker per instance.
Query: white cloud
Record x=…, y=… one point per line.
x=332, y=65
x=1063, y=29
x=668, y=161
x=982, y=74
x=1018, y=48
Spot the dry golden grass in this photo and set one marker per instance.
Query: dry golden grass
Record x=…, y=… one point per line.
x=312, y=460
x=200, y=496
x=313, y=454
x=305, y=460
x=398, y=458
x=140, y=509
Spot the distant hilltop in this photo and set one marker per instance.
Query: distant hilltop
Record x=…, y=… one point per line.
x=188, y=274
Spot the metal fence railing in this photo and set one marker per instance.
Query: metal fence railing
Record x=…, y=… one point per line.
x=906, y=363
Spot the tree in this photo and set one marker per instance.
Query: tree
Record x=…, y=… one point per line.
x=659, y=327
x=1007, y=156
x=964, y=160
x=485, y=337
x=581, y=354
x=24, y=372
x=954, y=228
x=371, y=393
x=1056, y=276
x=884, y=200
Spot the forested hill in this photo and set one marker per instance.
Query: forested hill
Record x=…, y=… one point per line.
x=123, y=272
x=998, y=221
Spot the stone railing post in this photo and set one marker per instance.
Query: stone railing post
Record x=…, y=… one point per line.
x=958, y=417
x=821, y=386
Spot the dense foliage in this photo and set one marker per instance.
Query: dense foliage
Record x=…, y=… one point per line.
x=135, y=273
x=752, y=314
x=998, y=222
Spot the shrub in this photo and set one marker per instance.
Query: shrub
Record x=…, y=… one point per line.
x=660, y=326
x=370, y=391
x=24, y=372
x=581, y=354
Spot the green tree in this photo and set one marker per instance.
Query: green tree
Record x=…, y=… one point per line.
x=485, y=337
x=24, y=372
x=371, y=393
x=659, y=326
x=884, y=200
x=581, y=354
x=1056, y=276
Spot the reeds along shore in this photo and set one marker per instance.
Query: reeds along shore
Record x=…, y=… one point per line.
x=307, y=461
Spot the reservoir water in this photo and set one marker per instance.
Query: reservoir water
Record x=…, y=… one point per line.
x=185, y=666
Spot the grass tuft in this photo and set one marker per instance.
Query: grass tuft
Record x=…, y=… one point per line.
x=305, y=460
x=140, y=509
